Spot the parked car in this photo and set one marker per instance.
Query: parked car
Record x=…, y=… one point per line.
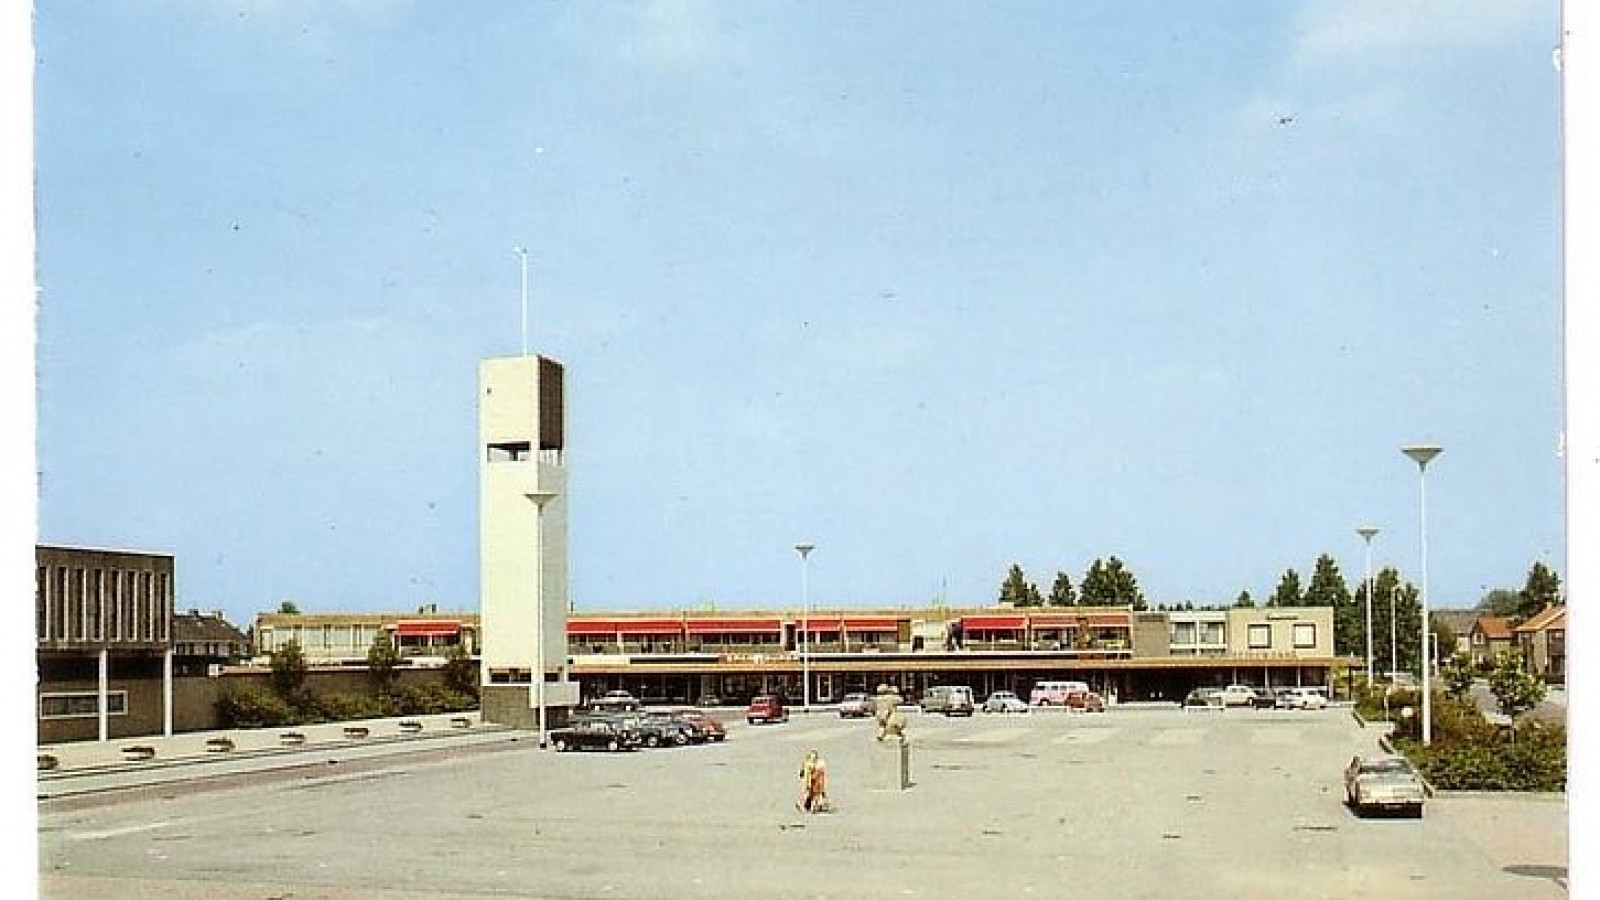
x=1385, y=783
x=856, y=706
x=1263, y=698
x=595, y=734
x=1004, y=702
x=670, y=728
x=766, y=708
x=950, y=699
x=1303, y=698
x=711, y=728
x=1238, y=695
x=1086, y=701
x=1203, y=698
x=1055, y=693
x=615, y=701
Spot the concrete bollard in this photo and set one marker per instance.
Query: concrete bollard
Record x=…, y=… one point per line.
x=890, y=767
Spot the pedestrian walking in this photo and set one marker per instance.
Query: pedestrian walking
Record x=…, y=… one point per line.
x=814, y=784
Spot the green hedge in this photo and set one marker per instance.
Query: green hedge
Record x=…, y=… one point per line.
x=254, y=708
x=1534, y=759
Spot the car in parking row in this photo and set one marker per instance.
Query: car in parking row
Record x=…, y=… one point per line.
x=856, y=706
x=1004, y=702
x=949, y=699
x=595, y=734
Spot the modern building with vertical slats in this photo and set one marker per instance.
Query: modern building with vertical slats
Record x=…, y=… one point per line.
x=103, y=629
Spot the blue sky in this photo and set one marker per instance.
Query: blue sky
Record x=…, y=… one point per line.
x=939, y=288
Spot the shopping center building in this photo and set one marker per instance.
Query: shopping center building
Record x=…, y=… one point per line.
x=725, y=657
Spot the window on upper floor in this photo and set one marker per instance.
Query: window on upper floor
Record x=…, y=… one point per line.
x=1305, y=635
x=509, y=451
x=1260, y=636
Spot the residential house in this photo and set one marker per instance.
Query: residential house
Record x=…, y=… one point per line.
x=1543, y=642
x=1489, y=635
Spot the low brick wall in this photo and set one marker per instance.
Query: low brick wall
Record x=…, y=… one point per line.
x=194, y=699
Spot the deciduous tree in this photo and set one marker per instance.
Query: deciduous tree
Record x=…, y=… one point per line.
x=289, y=672
x=382, y=662
x=1516, y=689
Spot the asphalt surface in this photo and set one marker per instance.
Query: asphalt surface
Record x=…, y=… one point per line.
x=1133, y=803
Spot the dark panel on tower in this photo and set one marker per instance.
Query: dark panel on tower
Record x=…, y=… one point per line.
x=552, y=405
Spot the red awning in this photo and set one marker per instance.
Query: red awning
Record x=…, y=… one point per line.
x=993, y=623
x=1054, y=620
x=1109, y=619
x=832, y=624
x=610, y=627
x=868, y=623
x=426, y=628
x=735, y=626
x=820, y=623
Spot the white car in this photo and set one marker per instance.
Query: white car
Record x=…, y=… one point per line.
x=1303, y=698
x=1383, y=783
x=1238, y=695
x=1004, y=702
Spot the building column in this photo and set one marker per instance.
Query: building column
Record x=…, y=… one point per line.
x=102, y=692
x=166, y=693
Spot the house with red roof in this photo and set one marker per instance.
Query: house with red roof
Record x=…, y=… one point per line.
x=1489, y=635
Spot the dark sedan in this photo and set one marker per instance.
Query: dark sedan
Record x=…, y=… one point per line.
x=595, y=734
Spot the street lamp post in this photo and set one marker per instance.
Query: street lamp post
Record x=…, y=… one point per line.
x=805, y=627
x=1422, y=454
x=1367, y=532
x=539, y=500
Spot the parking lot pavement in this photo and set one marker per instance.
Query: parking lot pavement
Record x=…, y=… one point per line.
x=1245, y=804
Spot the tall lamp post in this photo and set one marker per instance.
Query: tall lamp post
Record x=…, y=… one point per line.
x=1422, y=454
x=805, y=627
x=1367, y=532
x=539, y=500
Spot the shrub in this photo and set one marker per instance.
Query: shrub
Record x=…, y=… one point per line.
x=289, y=671
x=343, y=707
x=461, y=671
x=249, y=708
x=431, y=698
x=1488, y=759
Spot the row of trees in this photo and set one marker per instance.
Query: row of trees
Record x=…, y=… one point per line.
x=1106, y=583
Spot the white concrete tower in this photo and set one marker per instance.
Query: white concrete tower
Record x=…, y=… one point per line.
x=522, y=528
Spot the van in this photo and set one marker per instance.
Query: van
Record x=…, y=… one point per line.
x=1056, y=693
x=950, y=699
